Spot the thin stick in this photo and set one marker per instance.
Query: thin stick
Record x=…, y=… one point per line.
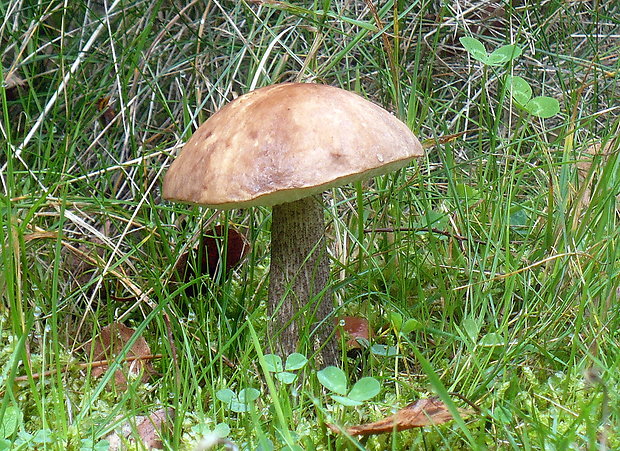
x=95, y=364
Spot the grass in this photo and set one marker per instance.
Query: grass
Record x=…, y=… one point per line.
x=503, y=244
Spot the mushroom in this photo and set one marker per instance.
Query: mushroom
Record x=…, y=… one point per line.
x=282, y=146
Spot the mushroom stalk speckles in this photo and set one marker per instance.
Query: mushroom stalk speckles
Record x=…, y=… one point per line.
x=299, y=295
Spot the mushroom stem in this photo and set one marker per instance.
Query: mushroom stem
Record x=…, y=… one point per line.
x=299, y=273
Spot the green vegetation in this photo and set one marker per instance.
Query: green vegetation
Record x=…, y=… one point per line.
x=521, y=91
x=335, y=380
x=489, y=272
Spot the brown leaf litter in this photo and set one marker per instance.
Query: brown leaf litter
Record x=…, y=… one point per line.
x=108, y=345
x=148, y=430
x=424, y=412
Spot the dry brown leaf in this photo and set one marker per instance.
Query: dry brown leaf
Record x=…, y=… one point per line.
x=424, y=412
x=109, y=343
x=40, y=235
x=354, y=328
x=149, y=430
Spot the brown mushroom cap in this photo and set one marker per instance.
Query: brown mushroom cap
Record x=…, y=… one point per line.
x=285, y=142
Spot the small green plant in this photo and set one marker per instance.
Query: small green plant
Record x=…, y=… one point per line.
x=498, y=57
x=470, y=330
x=403, y=327
x=11, y=420
x=238, y=402
x=221, y=430
x=384, y=350
x=520, y=90
x=335, y=380
x=11, y=424
x=539, y=106
x=294, y=362
x=88, y=444
x=208, y=436
x=41, y=439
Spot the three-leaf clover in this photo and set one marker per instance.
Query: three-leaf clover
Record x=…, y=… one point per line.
x=521, y=91
x=88, y=444
x=241, y=402
x=540, y=106
x=283, y=373
x=498, y=57
x=404, y=327
x=335, y=380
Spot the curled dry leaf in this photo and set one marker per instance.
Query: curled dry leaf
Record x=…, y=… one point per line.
x=354, y=328
x=424, y=412
x=237, y=248
x=149, y=430
x=38, y=235
x=110, y=342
